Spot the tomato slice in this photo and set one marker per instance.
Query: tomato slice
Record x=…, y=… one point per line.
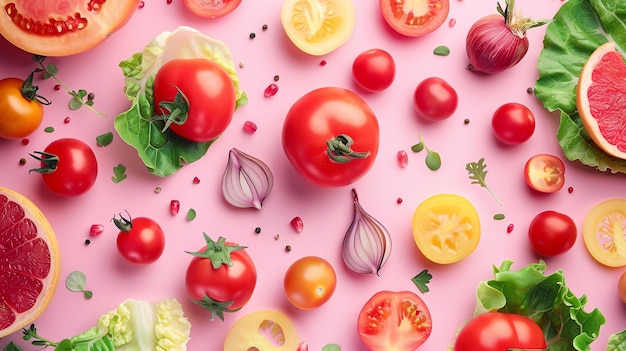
x=318, y=27
x=211, y=8
x=446, y=228
x=604, y=232
x=414, y=18
x=398, y=321
x=545, y=173
x=266, y=330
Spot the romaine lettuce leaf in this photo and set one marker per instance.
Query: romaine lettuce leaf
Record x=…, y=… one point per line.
x=164, y=153
x=544, y=298
x=578, y=28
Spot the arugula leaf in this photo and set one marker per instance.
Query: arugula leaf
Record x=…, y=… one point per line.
x=119, y=173
x=478, y=173
x=421, y=280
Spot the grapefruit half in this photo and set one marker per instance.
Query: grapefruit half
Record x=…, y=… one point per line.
x=601, y=99
x=29, y=262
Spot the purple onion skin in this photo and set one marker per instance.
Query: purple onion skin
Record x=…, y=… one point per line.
x=492, y=47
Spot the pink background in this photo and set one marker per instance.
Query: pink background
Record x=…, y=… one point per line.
x=326, y=212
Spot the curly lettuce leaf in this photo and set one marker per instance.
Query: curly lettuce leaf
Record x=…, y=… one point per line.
x=578, y=28
x=163, y=153
x=617, y=342
x=545, y=299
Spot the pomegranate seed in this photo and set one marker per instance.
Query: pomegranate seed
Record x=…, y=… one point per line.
x=25, y=141
x=96, y=229
x=323, y=63
x=297, y=224
x=570, y=190
x=174, y=207
x=509, y=228
x=142, y=4
x=399, y=200
x=169, y=2
x=451, y=22
x=249, y=127
x=271, y=90
x=303, y=346
x=57, y=87
x=67, y=120
x=196, y=180
x=403, y=158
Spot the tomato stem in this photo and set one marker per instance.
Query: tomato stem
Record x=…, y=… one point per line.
x=49, y=162
x=217, y=251
x=124, y=224
x=29, y=91
x=178, y=110
x=338, y=149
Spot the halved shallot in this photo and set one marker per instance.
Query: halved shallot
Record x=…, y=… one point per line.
x=247, y=181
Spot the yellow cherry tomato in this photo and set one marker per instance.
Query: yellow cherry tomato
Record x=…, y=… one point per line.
x=446, y=228
x=19, y=115
x=318, y=27
x=604, y=232
x=309, y=282
x=262, y=330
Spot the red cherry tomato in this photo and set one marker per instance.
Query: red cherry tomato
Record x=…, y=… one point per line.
x=513, y=123
x=211, y=8
x=374, y=70
x=140, y=240
x=414, y=18
x=209, y=94
x=545, y=173
x=68, y=167
x=331, y=136
x=495, y=331
x=394, y=321
x=552, y=233
x=434, y=99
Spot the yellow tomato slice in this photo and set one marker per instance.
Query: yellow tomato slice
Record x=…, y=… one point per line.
x=604, y=231
x=318, y=27
x=266, y=330
x=446, y=228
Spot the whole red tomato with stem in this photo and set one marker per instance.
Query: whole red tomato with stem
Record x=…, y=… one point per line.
x=140, y=240
x=513, y=123
x=414, y=18
x=21, y=108
x=552, y=233
x=398, y=321
x=212, y=8
x=374, y=70
x=435, y=99
x=221, y=277
x=496, y=331
x=544, y=173
x=68, y=167
x=195, y=97
x=331, y=136
x=309, y=282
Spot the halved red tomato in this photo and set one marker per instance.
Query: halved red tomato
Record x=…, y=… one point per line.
x=61, y=27
x=414, y=18
x=398, y=321
x=211, y=8
x=545, y=173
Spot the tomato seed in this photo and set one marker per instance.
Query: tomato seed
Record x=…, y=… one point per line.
x=249, y=127
x=509, y=228
x=297, y=224
x=196, y=180
x=96, y=229
x=174, y=207
x=403, y=158
x=271, y=90
x=67, y=120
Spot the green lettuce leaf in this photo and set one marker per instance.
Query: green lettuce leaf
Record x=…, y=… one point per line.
x=617, y=342
x=163, y=153
x=546, y=300
x=578, y=28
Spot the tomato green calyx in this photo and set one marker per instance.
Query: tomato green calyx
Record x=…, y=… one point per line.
x=178, y=110
x=217, y=251
x=29, y=91
x=217, y=308
x=338, y=149
x=124, y=224
x=49, y=162
x=514, y=20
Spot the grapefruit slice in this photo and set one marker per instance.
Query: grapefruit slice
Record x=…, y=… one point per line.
x=601, y=99
x=29, y=262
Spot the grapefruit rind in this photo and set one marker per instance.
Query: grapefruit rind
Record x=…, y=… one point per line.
x=44, y=231
x=590, y=122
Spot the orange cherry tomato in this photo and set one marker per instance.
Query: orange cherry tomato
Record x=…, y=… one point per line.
x=19, y=115
x=310, y=282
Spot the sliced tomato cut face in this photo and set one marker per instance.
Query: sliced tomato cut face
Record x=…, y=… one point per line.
x=59, y=27
x=211, y=8
x=604, y=232
x=545, y=173
x=414, y=18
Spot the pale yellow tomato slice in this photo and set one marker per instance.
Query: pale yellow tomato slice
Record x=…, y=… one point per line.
x=318, y=27
x=267, y=330
x=604, y=231
x=446, y=228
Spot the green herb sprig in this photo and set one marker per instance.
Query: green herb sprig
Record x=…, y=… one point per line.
x=478, y=173
x=77, y=281
x=119, y=173
x=433, y=159
x=421, y=281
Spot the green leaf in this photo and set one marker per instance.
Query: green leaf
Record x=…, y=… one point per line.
x=119, y=173
x=48, y=129
x=104, y=139
x=498, y=216
x=421, y=281
x=331, y=347
x=418, y=147
x=578, y=28
x=75, y=103
x=617, y=342
x=11, y=346
x=191, y=214
x=433, y=160
x=51, y=71
x=478, y=174
x=442, y=50
x=77, y=281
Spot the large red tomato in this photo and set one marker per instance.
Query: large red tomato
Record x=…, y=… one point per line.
x=331, y=136
x=495, y=331
x=203, y=89
x=61, y=27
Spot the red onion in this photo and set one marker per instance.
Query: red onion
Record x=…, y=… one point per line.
x=367, y=243
x=498, y=42
x=247, y=181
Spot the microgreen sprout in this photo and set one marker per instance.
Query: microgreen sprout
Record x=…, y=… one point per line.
x=433, y=159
